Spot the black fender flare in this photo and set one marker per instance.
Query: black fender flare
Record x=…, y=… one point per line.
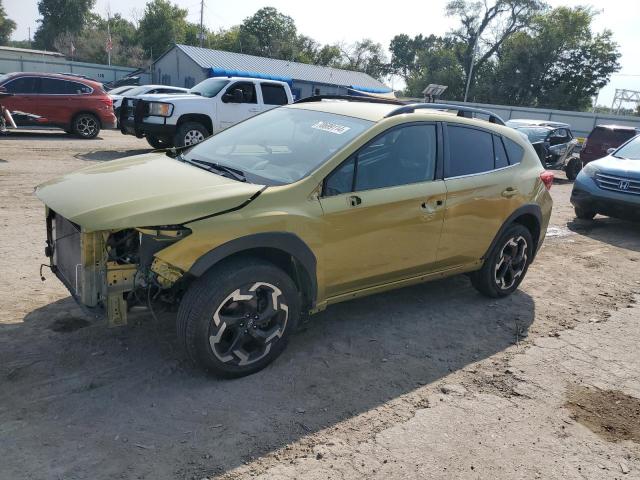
x=286, y=242
x=528, y=209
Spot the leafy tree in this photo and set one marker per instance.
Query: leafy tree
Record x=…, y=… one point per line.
x=269, y=33
x=486, y=27
x=366, y=56
x=162, y=24
x=61, y=17
x=558, y=64
x=7, y=26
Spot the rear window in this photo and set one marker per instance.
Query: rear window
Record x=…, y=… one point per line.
x=470, y=151
x=273, y=94
x=615, y=136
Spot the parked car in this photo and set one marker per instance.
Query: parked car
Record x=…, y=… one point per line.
x=136, y=91
x=523, y=122
x=290, y=211
x=604, y=137
x=120, y=90
x=611, y=185
x=554, y=145
x=214, y=104
x=74, y=104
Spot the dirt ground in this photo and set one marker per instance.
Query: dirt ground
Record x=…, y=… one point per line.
x=432, y=381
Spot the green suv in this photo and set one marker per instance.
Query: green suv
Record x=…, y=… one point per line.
x=295, y=209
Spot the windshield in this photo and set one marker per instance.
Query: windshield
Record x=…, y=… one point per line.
x=629, y=151
x=280, y=146
x=210, y=87
x=4, y=78
x=535, y=134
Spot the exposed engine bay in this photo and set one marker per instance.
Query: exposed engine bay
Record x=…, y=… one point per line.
x=113, y=270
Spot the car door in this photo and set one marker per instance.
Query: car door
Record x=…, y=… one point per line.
x=480, y=174
x=24, y=99
x=561, y=145
x=231, y=111
x=56, y=96
x=383, y=210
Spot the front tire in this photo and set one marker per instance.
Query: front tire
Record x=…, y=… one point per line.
x=584, y=214
x=86, y=125
x=236, y=319
x=506, y=265
x=190, y=133
x=572, y=169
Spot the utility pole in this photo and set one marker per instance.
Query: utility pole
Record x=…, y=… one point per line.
x=29, y=37
x=201, y=23
x=473, y=59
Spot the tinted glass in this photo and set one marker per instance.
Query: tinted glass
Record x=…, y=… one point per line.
x=610, y=136
x=210, y=87
x=77, y=88
x=52, y=86
x=248, y=91
x=273, y=94
x=514, y=151
x=500, y=153
x=23, y=85
x=282, y=145
x=401, y=156
x=340, y=180
x=470, y=151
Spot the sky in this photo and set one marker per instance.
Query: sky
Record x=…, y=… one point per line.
x=335, y=21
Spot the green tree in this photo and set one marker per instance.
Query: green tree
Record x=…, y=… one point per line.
x=366, y=56
x=162, y=24
x=485, y=27
x=7, y=26
x=559, y=63
x=269, y=33
x=61, y=17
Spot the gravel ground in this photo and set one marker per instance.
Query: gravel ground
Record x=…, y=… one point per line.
x=432, y=381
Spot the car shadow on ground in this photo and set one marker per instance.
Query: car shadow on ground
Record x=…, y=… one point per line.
x=140, y=410
x=46, y=134
x=105, y=155
x=619, y=233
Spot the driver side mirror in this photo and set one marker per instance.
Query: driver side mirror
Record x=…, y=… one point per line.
x=236, y=96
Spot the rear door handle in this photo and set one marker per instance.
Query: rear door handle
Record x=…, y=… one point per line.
x=354, y=200
x=510, y=192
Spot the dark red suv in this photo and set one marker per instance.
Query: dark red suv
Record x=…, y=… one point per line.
x=74, y=104
x=604, y=137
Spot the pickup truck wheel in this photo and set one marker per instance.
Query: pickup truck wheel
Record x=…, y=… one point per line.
x=190, y=133
x=236, y=319
x=507, y=263
x=86, y=125
x=158, y=142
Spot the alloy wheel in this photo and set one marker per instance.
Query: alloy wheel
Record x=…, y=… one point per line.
x=511, y=263
x=87, y=126
x=247, y=324
x=192, y=137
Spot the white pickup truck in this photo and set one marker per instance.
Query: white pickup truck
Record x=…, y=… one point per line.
x=212, y=105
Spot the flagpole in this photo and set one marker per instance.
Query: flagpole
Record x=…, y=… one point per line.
x=109, y=44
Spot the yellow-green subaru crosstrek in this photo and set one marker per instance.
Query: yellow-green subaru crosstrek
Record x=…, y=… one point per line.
x=295, y=209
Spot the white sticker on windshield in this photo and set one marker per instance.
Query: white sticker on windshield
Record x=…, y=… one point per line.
x=331, y=127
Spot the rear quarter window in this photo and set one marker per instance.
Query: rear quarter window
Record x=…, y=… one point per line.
x=514, y=151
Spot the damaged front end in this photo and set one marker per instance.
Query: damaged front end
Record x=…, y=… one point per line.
x=110, y=271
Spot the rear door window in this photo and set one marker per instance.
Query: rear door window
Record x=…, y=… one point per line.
x=23, y=85
x=248, y=91
x=53, y=86
x=470, y=151
x=273, y=94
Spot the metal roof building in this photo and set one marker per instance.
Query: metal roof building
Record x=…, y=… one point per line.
x=184, y=66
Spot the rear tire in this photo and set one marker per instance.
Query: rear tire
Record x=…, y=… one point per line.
x=86, y=125
x=507, y=263
x=583, y=213
x=190, y=133
x=572, y=169
x=236, y=319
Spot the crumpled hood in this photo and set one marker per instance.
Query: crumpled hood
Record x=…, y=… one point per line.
x=618, y=166
x=146, y=190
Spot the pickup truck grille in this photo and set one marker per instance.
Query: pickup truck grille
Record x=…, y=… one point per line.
x=67, y=249
x=618, y=183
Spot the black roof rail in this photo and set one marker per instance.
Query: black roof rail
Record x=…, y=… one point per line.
x=350, y=98
x=462, y=110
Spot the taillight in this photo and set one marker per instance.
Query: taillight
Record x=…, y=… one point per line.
x=547, y=178
x=107, y=101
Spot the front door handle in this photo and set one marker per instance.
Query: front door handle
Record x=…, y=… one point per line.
x=510, y=192
x=354, y=200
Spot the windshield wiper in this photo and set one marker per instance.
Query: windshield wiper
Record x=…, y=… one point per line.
x=234, y=173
